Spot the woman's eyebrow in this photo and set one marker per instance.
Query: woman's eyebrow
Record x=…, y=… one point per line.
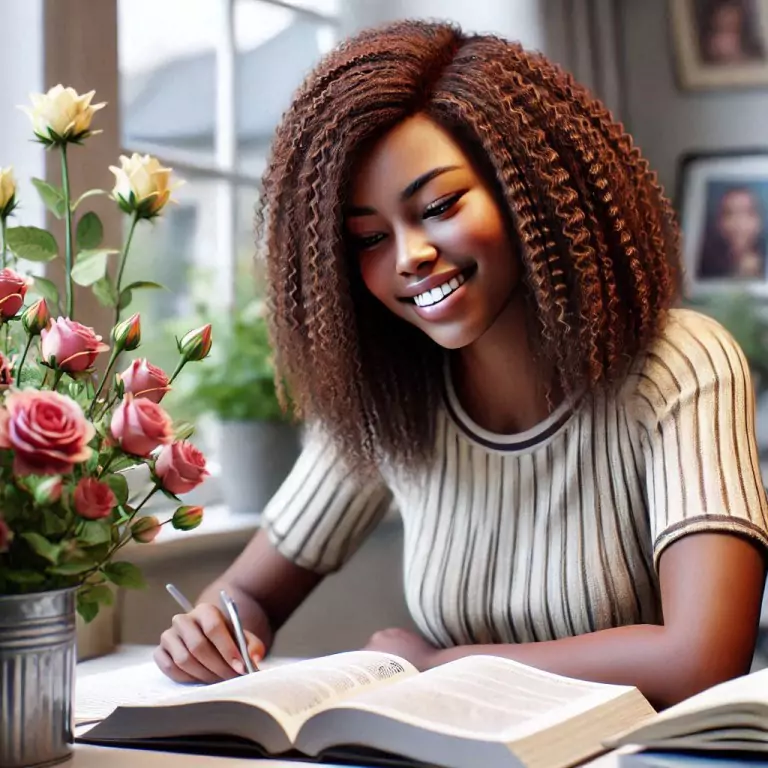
x=407, y=193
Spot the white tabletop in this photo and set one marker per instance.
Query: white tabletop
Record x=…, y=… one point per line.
x=89, y=756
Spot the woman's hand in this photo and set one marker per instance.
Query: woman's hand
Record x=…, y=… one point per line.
x=405, y=644
x=199, y=648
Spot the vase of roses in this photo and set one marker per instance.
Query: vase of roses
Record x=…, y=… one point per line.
x=74, y=417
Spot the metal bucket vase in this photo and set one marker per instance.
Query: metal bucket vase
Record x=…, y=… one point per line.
x=37, y=670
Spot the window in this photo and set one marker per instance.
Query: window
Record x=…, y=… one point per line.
x=202, y=86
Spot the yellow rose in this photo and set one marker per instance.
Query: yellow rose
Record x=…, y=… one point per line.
x=62, y=115
x=7, y=191
x=142, y=185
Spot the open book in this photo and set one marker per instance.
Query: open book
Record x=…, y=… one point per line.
x=477, y=711
x=730, y=717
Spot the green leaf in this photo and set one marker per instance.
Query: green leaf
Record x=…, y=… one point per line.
x=72, y=568
x=54, y=524
x=87, y=608
x=126, y=295
x=102, y=594
x=47, y=289
x=25, y=577
x=32, y=243
x=95, y=532
x=90, y=266
x=42, y=546
x=124, y=575
x=90, y=232
x=90, y=193
x=52, y=197
x=104, y=290
x=119, y=486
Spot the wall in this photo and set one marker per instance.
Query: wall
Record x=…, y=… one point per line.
x=21, y=62
x=665, y=120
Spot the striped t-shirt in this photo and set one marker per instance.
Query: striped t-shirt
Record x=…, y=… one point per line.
x=556, y=531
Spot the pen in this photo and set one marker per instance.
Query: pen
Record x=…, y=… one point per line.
x=179, y=598
x=231, y=608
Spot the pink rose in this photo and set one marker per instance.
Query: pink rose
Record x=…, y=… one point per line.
x=13, y=288
x=139, y=426
x=180, y=467
x=145, y=529
x=48, y=432
x=74, y=346
x=93, y=499
x=6, y=536
x=142, y=379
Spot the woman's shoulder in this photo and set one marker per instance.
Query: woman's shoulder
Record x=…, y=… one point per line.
x=692, y=354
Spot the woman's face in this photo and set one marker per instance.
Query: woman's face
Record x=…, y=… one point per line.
x=431, y=242
x=739, y=220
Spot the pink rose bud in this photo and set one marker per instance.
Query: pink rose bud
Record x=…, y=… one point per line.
x=6, y=536
x=180, y=467
x=187, y=518
x=139, y=426
x=47, y=432
x=145, y=529
x=196, y=344
x=13, y=289
x=6, y=372
x=36, y=317
x=127, y=335
x=142, y=379
x=93, y=499
x=74, y=346
x=49, y=491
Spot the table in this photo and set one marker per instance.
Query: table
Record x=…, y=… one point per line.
x=89, y=756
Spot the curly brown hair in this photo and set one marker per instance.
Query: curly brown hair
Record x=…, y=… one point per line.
x=599, y=244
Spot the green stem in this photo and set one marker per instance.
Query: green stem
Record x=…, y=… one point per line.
x=30, y=339
x=112, y=361
x=57, y=374
x=181, y=364
x=7, y=337
x=146, y=499
x=68, y=225
x=123, y=260
x=4, y=231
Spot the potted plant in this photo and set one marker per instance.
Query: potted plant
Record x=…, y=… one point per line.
x=255, y=438
x=69, y=429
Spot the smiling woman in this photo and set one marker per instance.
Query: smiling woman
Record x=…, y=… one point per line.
x=472, y=274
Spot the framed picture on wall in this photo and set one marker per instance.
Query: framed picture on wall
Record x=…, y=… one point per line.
x=720, y=43
x=722, y=201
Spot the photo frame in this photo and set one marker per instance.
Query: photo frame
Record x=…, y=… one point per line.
x=722, y=201
x=720, y=43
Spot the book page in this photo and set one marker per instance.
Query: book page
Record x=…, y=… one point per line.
x=486, y=697
x=295, y=692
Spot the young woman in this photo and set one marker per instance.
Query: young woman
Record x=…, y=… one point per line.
x=472, y=272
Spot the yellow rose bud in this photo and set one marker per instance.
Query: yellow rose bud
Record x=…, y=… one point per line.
x=196, y=344
x=36, y=317
x=145, y=529
x=7, y=192
x=127, y=335
x=62, y=115
x=186, y=518
x=142, y=185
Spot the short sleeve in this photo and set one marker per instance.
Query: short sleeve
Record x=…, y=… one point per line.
x=696, y=413
x=322, y=513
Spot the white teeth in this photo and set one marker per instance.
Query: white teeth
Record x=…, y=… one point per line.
x=438, y=294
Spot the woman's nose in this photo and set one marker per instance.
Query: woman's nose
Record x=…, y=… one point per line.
x=414, y=251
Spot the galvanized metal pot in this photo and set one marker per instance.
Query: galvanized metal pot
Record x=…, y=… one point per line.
x=37, y=670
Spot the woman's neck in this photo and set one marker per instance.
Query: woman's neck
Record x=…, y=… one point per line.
x=497, y=379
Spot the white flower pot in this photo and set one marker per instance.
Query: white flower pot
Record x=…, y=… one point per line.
x=255, y=457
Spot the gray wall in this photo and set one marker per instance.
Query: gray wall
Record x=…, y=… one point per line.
x=666, y=121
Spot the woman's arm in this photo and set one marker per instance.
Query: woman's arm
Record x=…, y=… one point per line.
x=711, y=589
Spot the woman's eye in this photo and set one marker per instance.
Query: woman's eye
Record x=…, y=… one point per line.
x=362, y=242
x=441, y=206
